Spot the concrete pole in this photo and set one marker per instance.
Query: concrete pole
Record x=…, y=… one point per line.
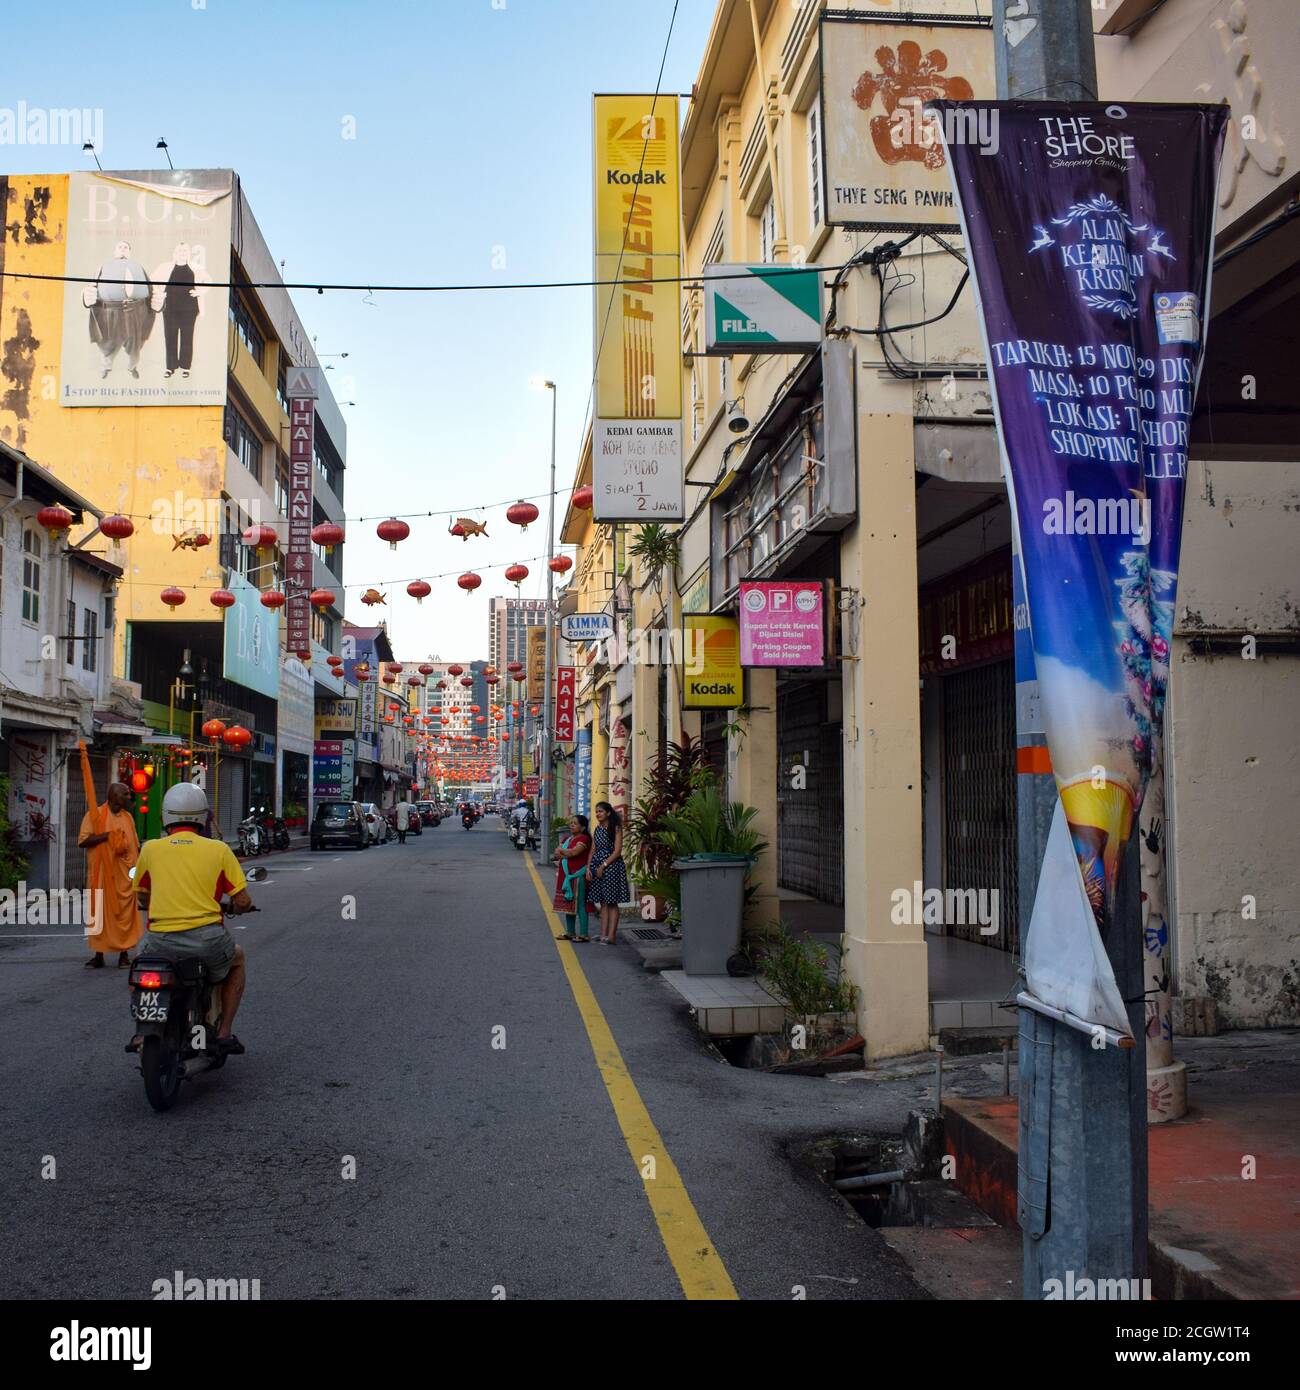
x=1083, y=1153
x=545, y=792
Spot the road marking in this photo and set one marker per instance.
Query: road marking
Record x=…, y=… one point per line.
x=699, y=1267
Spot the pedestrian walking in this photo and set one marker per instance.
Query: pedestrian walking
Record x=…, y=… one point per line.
x=607, y=885
x=571, y=880
x=403, y=820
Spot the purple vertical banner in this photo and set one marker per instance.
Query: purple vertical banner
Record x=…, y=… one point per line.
x=1090, y=232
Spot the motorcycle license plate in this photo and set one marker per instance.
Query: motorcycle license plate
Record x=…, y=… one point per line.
x=151, y=1005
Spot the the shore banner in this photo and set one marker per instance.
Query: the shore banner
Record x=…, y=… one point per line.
x=1090, y=231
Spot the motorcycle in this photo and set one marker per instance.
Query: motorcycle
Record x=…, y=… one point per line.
x=467, y=820
x=177, y=1013
x=252, y=838
x=275, y=834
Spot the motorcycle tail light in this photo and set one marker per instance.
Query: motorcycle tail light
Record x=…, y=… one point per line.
x=152, y=979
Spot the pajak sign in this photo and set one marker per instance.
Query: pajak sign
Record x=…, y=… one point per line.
x=565, y=699
x=302, y=390
x=781, y=623
x=1090, y=233
x=636, y=470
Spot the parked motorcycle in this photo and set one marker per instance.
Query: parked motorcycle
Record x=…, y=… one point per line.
x=274, y=828
x=252, y=838
x=177, y=1012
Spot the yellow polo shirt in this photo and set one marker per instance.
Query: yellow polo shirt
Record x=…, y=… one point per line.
x=186, y=875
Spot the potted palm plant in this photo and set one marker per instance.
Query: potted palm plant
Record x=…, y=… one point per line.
x=672, y=777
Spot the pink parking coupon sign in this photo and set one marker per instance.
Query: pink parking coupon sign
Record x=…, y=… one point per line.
x=781, y=623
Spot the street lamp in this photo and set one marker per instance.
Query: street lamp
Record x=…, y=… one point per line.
x=545, y=793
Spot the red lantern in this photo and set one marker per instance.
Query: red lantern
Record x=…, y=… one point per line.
x=492, y=680
x=389, y=678
x=534, y=711
x=361, y=676
x=582, y=497
x=516, y=574
x=425, y=669
x=273, y=598
x=521, y=514
x=260, y=537
x=467, y=681
x=515, y=667
x=454, y=670
x=332, y=660
x=213, y=730
x=419, y=590
x=237, y=736
x=469, y=582
x=561, y=564
x=141, y=780
x=117, y=528
x=392, y=531
x=413, y=680
x=322, y=598
x=172, y=597
x=304, y=655
x=327, y=534
x=221, y=598
x=55, y=519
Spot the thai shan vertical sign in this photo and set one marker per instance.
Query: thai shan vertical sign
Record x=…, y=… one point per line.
x=302, y=390
x=1090, y=229
x=637, y=421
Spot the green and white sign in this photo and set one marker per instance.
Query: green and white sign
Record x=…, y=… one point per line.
x=775, y=308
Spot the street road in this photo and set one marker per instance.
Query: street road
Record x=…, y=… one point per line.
x=481, y=1171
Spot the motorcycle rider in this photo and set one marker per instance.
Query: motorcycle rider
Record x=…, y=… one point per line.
x=180, y=880
x=521, y=816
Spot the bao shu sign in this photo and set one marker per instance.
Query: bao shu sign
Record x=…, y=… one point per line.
x=302, y=391
x=565, y=692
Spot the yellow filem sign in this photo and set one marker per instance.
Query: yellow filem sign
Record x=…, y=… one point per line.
x=711, y=673
x=637, y=242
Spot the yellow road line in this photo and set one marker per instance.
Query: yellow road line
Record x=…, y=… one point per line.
x=699, y=1267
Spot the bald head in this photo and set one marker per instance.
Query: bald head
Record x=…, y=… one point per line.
x=119, y=796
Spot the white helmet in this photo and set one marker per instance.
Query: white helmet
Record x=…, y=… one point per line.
x=184, y=804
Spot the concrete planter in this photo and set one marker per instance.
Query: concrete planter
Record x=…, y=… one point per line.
x=713, y=903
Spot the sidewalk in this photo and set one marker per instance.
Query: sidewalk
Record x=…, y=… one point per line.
x=1216, y=1231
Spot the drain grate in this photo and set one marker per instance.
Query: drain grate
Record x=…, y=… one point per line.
x=649, y=934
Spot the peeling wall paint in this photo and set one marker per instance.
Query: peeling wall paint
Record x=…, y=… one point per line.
x=121, y=458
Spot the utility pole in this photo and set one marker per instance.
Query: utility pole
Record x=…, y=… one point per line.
x=1083, y=1139
x=544, y=797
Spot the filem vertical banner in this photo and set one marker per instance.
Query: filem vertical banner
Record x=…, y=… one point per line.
x=302, y=391
x=637, y=420
x=1090, y=230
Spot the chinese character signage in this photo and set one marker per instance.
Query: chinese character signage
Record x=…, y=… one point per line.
x=781, y=623
x=711, y=673
x=882, y=155
x=565, y=693
x=302, y=391
x=536, y=662
x=336, y=717
x=1090, y=235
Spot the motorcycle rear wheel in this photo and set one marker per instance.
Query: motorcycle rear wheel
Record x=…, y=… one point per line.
x=162, y=1072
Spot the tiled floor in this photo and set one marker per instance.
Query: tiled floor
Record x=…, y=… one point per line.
x=726, y=1006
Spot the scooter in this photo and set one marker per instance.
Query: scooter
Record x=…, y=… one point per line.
x=275, y=834
x=177, y=1011
x=467, y=820
x=252, y=838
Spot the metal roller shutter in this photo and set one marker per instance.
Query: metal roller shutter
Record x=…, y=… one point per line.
x=980, y=849
x=810, y=821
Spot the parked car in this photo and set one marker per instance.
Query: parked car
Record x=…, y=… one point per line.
x=376, y=824
x=340, y=823
x=429, y=812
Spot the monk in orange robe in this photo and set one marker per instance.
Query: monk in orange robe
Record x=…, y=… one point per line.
x=108, y=835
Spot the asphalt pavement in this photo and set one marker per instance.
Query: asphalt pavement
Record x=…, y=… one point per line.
x=425, y=1110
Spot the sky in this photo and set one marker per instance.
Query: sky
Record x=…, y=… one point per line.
x=471, y=163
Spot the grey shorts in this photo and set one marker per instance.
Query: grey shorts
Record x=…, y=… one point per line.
x=213, y=945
